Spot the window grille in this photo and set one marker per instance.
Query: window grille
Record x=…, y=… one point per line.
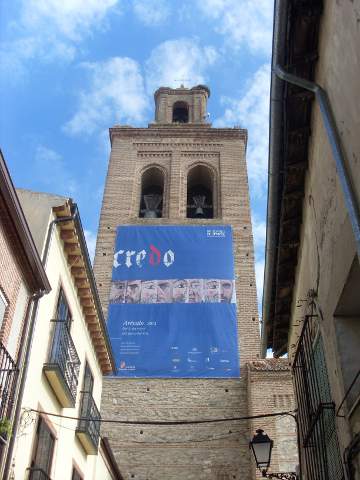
x=316, y=410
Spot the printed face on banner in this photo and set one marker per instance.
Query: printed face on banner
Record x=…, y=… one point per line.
x=172, y=305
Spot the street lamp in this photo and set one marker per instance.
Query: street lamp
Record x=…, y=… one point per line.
x=261, y=446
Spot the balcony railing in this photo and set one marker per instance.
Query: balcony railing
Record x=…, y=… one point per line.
x=63, y=366
x=88, y=428
x=8, y=377
x=37, y=473
x=316, y=411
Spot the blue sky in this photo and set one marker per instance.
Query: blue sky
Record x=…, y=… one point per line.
x=73, y=68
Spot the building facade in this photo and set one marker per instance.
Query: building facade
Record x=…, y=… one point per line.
x=312, y=274
x=68, y=357
x=181, y=171
x=22, y=282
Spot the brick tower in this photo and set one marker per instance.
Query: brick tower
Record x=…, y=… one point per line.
x=153, y=177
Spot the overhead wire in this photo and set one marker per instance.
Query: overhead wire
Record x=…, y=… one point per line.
x=292, y=413
x=171, y=441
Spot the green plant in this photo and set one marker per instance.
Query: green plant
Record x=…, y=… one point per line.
x=5, y=427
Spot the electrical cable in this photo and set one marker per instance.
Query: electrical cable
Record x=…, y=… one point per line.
x=173, y=442
x=167, y=423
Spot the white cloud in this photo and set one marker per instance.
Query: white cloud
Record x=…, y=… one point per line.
x=116, y=95
x=151, y=12
x=178, y=61
x=259, y=232
x=72, y=19
x=259, y=274
x=52, y=30
x=251, y=111
x=50, y=168
x=91, y=243
x=242, y=22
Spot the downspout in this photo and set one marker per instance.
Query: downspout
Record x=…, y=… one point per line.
x=336, y=146
x=29, y=337
x=275, y=147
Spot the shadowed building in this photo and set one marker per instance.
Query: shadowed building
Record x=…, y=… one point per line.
x=312, y=273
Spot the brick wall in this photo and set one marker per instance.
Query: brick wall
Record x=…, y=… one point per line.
x=271, y=391
x=11, y=275
x=210, y=451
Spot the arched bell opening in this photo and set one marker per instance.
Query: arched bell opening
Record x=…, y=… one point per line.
x=180, y=112
x=200, y=186
x=152, y=193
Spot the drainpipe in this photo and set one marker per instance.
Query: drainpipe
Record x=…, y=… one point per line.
x=29, y=338
x=336, y=146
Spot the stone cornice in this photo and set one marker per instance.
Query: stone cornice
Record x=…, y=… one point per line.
x=179, y=131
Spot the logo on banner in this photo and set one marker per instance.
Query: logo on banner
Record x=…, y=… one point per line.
x=216, y=232
x=155, y=257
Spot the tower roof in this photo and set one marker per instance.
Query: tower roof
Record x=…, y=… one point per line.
x=182, y=89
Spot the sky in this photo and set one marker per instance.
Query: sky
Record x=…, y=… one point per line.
x=70, y=69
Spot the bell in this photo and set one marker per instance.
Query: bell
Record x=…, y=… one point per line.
x=199, y=203
x=199, y=212
x=152, y=202
x=150, y=214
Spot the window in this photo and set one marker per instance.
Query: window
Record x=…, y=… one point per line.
x=88, y=380
x=62, y=311
x=180, y=112
x=200, y=193
x=43, y=451
x=87, y=390
x=152, y=192
x=316, y=413
x=89, y=423
x=76, y=475
x=3, y=305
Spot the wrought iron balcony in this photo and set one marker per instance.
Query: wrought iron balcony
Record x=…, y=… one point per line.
x=8, y=377
x=63, y=366
x=88, y=428
x=37, y=473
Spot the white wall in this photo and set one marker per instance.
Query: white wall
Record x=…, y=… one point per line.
x=38, y=393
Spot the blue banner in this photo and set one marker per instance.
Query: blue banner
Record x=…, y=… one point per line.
x=172, y=305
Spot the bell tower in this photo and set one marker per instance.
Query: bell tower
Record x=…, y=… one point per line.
x=181, y=105
x=180, y=171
